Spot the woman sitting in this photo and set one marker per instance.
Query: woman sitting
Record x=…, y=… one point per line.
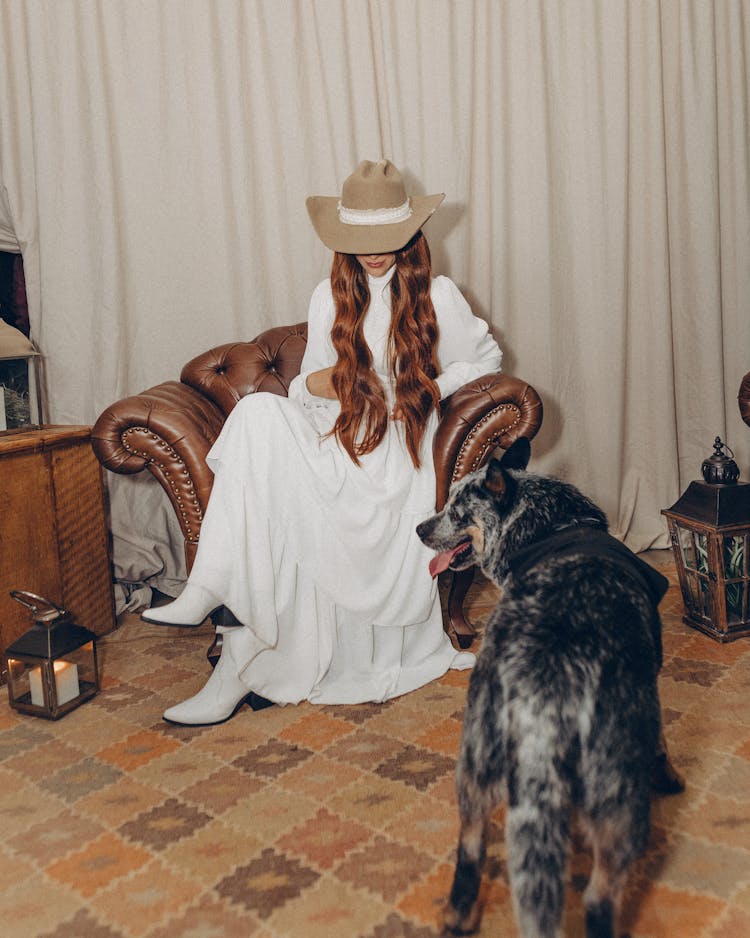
x=309, y=537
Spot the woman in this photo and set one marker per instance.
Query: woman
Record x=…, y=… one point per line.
x=309, y=536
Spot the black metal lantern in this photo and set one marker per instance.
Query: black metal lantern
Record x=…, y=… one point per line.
x=709, y=527
x=52, y=668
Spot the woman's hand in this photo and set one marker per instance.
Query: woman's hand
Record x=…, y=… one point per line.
x=320, y=383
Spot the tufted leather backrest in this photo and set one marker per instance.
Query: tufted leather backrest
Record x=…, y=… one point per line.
x=229, y=372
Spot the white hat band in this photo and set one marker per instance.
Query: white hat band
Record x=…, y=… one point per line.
x=374, y=216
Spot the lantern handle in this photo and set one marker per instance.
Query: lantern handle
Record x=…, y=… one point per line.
x=719, y=445
x=34, y=602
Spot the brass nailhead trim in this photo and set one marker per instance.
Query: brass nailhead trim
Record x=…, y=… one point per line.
x=188, y=488
x=477, y=430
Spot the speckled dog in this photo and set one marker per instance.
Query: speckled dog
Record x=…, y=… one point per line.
x=562, y=709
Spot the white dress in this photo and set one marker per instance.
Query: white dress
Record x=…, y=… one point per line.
x=317, y=557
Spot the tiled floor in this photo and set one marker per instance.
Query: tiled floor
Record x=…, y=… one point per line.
x=329, y=821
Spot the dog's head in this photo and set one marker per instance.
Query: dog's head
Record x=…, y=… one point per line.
x=474, y=512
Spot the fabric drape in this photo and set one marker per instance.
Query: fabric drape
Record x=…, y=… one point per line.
x=155, y=157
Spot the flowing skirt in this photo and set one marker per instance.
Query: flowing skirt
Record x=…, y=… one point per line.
x=319, y=558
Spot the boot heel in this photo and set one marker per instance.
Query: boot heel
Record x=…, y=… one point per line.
x=256, y=702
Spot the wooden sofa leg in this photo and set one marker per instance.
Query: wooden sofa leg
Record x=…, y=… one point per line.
x=214, y=652
x=460, y=631
x=221, y=617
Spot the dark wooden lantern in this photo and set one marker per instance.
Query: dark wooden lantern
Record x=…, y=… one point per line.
x=709, y=527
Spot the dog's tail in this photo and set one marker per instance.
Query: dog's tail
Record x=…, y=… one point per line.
x=537, y=832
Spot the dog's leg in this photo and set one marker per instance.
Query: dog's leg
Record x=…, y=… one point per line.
x=462, y=914
x=602, y=895
x=601, y=899
x=617, y=839
x=481, y=757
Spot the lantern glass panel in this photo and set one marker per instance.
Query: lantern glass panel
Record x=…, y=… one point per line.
x=19, y=393
x=18, y=680
x=735, y=555
x=701, y=552
x=694, y=550
x=84, y=660
x=686, y=548
x=700, y=595
x=735, y=593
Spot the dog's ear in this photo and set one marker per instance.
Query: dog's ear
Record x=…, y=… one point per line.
x=495, y=480
x=517, y=455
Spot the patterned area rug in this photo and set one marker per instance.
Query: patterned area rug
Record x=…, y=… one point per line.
x=330, y=821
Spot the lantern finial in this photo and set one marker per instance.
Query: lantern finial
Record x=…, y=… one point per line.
x=720, y=468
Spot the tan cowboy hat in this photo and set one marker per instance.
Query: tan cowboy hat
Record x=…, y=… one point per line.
x=374, y=214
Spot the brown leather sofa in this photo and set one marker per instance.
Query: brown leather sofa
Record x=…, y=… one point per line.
x=169, y=429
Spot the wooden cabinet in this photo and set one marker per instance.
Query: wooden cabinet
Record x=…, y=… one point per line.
x=53, y=531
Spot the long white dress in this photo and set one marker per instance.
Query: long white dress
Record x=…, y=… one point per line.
x=317, y=557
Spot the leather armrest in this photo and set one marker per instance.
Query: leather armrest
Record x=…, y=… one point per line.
x=490, y=411
x=167, y=429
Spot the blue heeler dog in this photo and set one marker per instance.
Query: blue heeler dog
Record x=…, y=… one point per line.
x=562, y=710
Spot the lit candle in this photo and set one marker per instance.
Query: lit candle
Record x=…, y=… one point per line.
x=66, y=683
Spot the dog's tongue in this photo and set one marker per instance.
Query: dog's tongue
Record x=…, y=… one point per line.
x=442, y=561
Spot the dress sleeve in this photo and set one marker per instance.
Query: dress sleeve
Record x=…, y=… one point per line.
x=319, y=352
x=466, y=350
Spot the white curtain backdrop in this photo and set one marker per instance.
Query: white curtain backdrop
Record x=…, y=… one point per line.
x=155, y=156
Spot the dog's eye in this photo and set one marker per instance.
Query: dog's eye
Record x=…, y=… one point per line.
x=460, y=518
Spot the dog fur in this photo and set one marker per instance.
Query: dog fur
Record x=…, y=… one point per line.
x=562, y=710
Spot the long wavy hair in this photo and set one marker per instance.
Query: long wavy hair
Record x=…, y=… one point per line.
x=412, y=347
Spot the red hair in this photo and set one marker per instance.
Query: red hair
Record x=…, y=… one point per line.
x=412, y=344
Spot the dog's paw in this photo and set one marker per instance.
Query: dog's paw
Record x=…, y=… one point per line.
x=454, y=923
x=665, y=779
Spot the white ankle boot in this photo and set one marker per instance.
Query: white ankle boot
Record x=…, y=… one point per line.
x=190, y=608
x=219, y=697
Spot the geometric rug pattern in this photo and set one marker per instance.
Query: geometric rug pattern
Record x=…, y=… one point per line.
x=331, y=822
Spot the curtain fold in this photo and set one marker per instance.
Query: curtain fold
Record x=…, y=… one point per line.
x=155, y=157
